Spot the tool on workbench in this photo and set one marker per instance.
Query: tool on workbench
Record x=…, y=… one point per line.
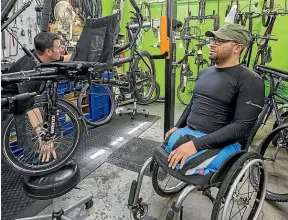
x=22, y=31
x=3, y=42
x=23, y=46
x=13, y=35
x=30, y=35
x=30, y=24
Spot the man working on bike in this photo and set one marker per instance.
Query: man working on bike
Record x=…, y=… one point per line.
x=227, y=99
x=47, y=49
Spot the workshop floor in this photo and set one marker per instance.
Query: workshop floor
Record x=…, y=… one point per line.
x=110, y=187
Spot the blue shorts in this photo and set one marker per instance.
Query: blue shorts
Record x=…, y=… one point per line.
x=204, y=161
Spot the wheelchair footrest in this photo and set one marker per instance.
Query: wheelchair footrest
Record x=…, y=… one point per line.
x=132, y=193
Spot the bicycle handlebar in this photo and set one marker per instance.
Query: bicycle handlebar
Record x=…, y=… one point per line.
x=24, y=96
x=270, y=70
x=19, y=76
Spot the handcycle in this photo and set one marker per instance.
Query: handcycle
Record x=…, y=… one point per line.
x=232, y=175
x=57, y=120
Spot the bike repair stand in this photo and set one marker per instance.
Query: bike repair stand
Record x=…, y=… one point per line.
x=134, y=109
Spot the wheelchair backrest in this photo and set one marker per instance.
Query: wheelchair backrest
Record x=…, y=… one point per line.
x=97, y=41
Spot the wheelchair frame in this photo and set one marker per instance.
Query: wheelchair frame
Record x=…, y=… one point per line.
x=137, y=206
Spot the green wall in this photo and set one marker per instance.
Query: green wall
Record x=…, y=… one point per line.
x=279, y=48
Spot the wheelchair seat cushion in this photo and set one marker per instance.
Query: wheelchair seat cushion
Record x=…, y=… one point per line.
x=198, y=168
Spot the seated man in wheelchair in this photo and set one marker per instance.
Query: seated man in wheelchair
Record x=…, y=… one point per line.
x=47, y=49
x=227, y=100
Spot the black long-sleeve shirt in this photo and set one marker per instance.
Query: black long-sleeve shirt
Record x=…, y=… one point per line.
x=226, y=103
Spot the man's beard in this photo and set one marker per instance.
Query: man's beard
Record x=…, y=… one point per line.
x=222, y=57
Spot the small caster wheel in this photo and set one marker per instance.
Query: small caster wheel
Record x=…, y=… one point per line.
x=89, y=204
x=141, y=211
x=146, y=115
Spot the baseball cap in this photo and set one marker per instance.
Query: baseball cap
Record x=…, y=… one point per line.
x=235, y=32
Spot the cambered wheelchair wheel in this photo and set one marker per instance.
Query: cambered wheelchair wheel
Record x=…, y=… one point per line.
x=238, y=198
x=164, y=184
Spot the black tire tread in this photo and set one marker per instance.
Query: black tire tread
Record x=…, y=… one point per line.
x=229, y=179
x=156, y=186
x=39, y=172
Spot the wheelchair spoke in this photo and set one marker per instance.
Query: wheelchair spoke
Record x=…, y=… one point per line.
x=243, y=183
x=167, y=182
x=238, y=211
x=231, y=208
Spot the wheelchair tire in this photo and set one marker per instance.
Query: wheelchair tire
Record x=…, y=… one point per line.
x=85, y=92
x=228, y=181
x=262, y=148
x=158, y=189
x=31, y=170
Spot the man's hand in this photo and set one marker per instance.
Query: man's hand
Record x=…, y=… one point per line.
x=181, y=154
x=170, y=131
x=46, y=149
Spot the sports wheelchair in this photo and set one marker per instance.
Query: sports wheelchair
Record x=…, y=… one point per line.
x=241, y=171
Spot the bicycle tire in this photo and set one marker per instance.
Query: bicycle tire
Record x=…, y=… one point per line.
x=18, y=167
x=261, y=150
x=112, y=109
x=283, y=116
x=153, y=98
x=266, y=19
x=257, y=126
x=228, y=181
x=156, y=186
x=147, y=7
x=99, y=8
x=153, y=75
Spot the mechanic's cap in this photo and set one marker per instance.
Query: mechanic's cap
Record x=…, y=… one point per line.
x=235, y=32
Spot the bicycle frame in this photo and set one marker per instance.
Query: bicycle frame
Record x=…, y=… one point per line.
x=264, y=42
x=133, y=32
x=262, y=45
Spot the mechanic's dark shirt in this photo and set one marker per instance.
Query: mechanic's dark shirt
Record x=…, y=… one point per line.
x=226, y=103
x=25, y=63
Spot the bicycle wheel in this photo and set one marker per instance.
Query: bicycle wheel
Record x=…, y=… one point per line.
x=185, y=90
x=171, y=189
x=284, y=119
x=21, y=140
x=267, y=4
x=97, y=104
x=276, y=162
x=144, y=68
x=154, y=97
x=146, y=13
